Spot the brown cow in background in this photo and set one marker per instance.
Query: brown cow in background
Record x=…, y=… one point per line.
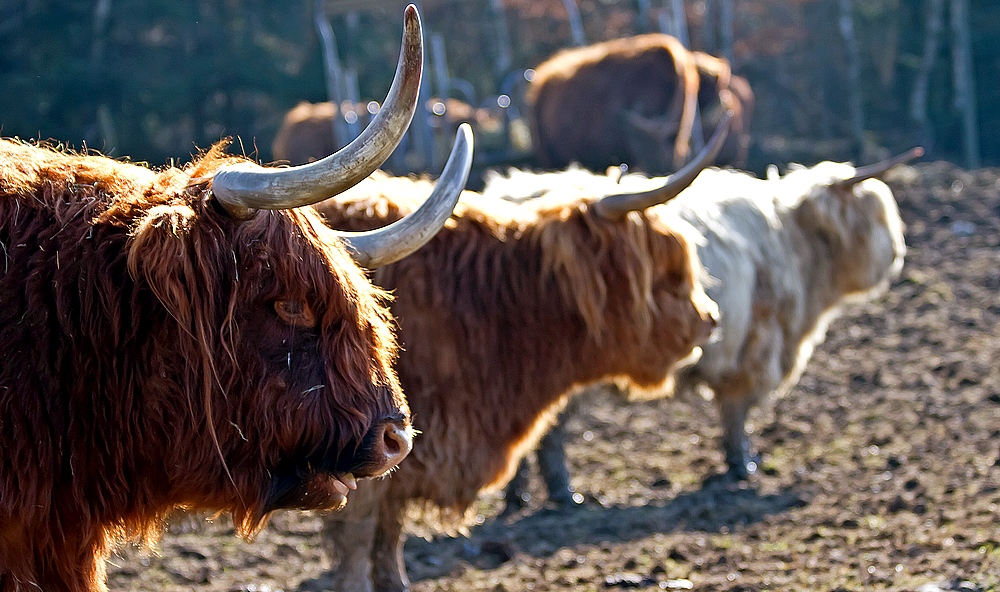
x=307, y=133
x=488, y=123
x=633, y=101
x=503, y=313
x=171, y=342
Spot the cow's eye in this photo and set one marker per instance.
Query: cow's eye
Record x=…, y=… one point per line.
x=295, y=312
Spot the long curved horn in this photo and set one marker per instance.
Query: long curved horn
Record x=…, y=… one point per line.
x=383, y=246
x=874, y=170
x=244, y=187
x=616, y=206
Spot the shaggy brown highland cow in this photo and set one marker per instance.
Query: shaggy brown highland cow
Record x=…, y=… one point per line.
x=501, y=315
x=634, y=101
x=167, y=345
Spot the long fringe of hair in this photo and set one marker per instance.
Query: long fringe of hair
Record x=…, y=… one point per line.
x=165, y=236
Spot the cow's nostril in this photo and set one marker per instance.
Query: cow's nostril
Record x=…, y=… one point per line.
x=392, y=443
x=397, y=443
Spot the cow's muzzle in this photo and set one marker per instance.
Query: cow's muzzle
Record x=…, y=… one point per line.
x=383, y=448
x=324, y=483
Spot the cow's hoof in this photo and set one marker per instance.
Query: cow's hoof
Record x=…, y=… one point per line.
x=566, y=499
x=388, y=585
x=332, y=582
x=742, y=469
x=513, y=504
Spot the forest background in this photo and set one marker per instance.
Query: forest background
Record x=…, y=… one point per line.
x=156, y=80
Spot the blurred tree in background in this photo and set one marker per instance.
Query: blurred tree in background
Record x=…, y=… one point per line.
x=157, y=79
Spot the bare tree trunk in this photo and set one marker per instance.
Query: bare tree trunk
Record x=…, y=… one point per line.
x=352, y=95
x=853, y=74
x=439, y=65
x=642, y=19
x=676, y=24
x=886, y=62
x=708, y=27
x=102, y=11
x=680, y=22
x=965, y=87
x=334, y=73
x=105, y=124
x=503, y=56
x=575, y=22
x=918, y=101
x=726, y=17
x=442, y=84
x=352, y=92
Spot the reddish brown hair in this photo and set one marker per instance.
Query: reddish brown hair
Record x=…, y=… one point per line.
x=582, y=100
x=148, y=367
x=508, y=308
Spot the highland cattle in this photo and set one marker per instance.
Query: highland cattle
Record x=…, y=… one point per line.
x=188, y=338
x=634, y=101
x=501, y=316
x=783, y=255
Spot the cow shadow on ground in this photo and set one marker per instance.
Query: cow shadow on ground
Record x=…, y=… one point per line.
x=717, y=506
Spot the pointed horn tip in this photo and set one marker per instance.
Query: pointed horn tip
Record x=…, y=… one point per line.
x=447, y=192
x=463, y=149
x=411, y=14
x=903, y=158
x=412, y=30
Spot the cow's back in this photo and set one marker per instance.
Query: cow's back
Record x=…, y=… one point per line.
x=306, y=134
x=755, y=276
x=580, y=99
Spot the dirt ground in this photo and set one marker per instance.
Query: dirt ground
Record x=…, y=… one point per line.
x=881, y=470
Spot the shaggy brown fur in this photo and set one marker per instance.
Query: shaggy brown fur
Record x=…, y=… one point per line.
x=505, y=311
x=623, y=101
x=626, y=100
x=151, y=360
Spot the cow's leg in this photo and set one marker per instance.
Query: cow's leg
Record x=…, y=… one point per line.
x=551, y=457
x=552, y=465
x=516, y=494
x=349, y=537
x=389, y=569
x=741, y=458
x=760, y=372
x=351, y=542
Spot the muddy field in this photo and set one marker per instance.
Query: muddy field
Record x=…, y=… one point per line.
x=881, y=470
